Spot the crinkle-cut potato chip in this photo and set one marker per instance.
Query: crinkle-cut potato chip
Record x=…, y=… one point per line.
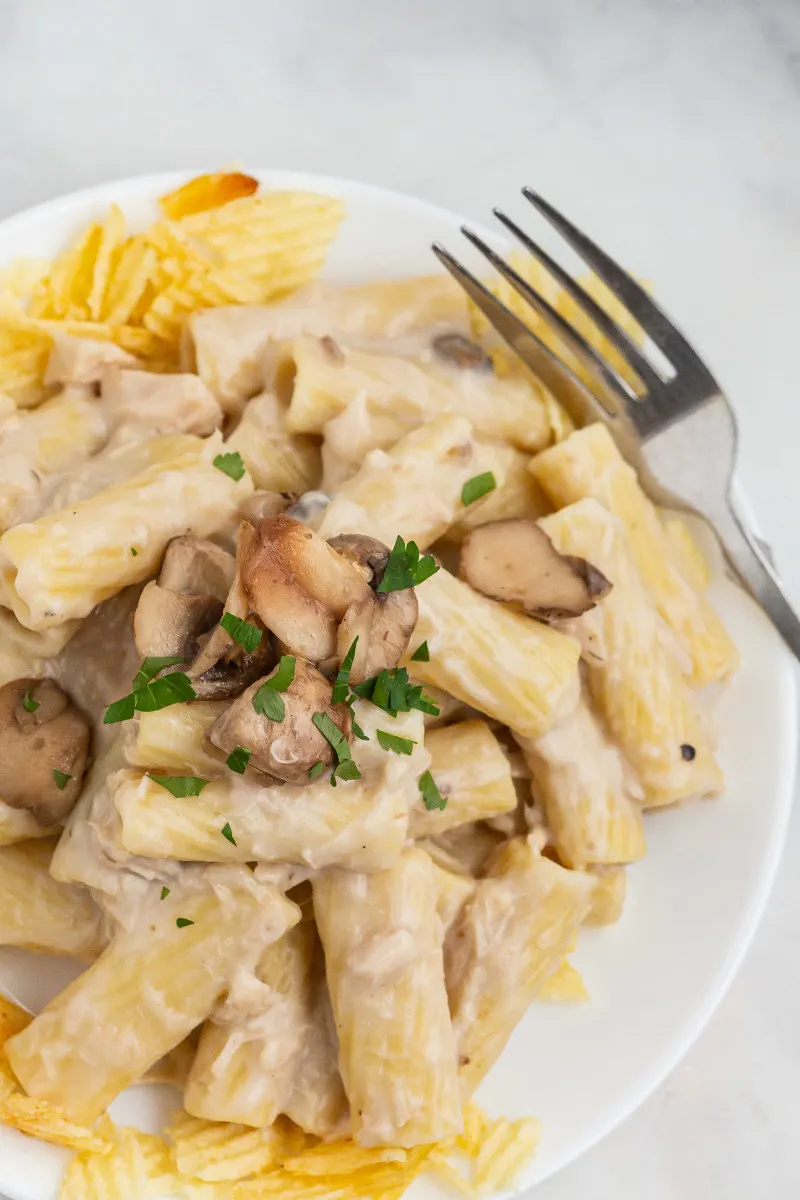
x=506, y=1147
x=218, y=243
x=206, y=191
x=212, y=1150
x=42, y=1120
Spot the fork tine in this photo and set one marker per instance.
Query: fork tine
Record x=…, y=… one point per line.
x=602, y=375
x=614, y=333
x=581, y=404
x=653, y=321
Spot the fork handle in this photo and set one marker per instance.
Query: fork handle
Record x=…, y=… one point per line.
x=758, y=574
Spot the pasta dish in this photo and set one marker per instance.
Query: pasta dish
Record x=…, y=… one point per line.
x=338, y=674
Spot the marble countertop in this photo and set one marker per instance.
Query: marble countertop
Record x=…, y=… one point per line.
x=671, y=130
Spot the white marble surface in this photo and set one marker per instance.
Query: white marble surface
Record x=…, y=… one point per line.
x=671, y=129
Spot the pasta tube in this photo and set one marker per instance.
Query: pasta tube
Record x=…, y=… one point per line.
x=471, y=772
x=588, y=464
x=383, y=958
x=171, y=740
x=398, y=395
x=277, y=461
x=249, y=1050
x=414, y=489
x=510, y=938
x=637, y=687
x=517, y=493
x=608, y=897
x=146, y=992
x=360, y=824
x=587, y=791
x=42, y=441
x=38, y=913
x=62, y=565
x=497, y=660
x=17, y=825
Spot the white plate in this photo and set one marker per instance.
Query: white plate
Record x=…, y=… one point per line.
x=656, y=977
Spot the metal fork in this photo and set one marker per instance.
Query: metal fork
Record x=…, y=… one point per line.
x=678, y=431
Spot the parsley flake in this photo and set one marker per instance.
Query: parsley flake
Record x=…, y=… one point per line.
x=227, y=832
x=151, y=667
x=405, y=568
x=28, y=702
x=174, y=688
x=230, y=464
x=393, y=692
x=246, y=635
x=345, y=770
x=477, y=487
x=390, y=741
x=432, y=798
x=164, y=892
x=422, y=653
x=342, y=685
x=61, y=778
x=182, y=922
x=333, y=735
x=134, y=552
x=238, y=760
x=266, y=701
x=316, y=770
x=180, y=785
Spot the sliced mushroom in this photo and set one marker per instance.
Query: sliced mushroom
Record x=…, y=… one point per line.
x=383, y=623
x=299, y=586
x=285, y=749
x=198, y=566
x=266, y=504
x=54, y=737
x=461, y=352
x=515, y=561
x=170, y=622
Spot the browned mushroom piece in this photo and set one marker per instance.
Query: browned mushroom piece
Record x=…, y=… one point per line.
x=383, y=623
x=170, y=623
x=515, y=561
x=43, y=752
x=197, y=566
x=266, y=504
x=287, y=749
x=458, y=350
x=299, y=586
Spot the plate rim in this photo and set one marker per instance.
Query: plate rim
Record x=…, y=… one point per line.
x=148, y=186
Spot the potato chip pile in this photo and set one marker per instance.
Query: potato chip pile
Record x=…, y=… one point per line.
x=208, y=1160
x=219, y=241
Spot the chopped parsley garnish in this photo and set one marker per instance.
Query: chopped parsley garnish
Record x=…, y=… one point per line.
x=182, y=922
x=284, y=676
x=478, y=486
x=164, y=892
x=333, y=735
x=151, y=667
x=357, y=730
x=230, y=464
x=345, y=770
x=390, y=741
x=342, y=685
x=227, y=832
x=422, y=653
x=247, y=636
x=180, y=785
x=266, y=701
x=315, y=771
x=238, y=760
x=405, y=568
x=174, y=688
x=393, y=692
x=432, y=798
x=28, y=702
x=134, y=551
x=61, y=779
